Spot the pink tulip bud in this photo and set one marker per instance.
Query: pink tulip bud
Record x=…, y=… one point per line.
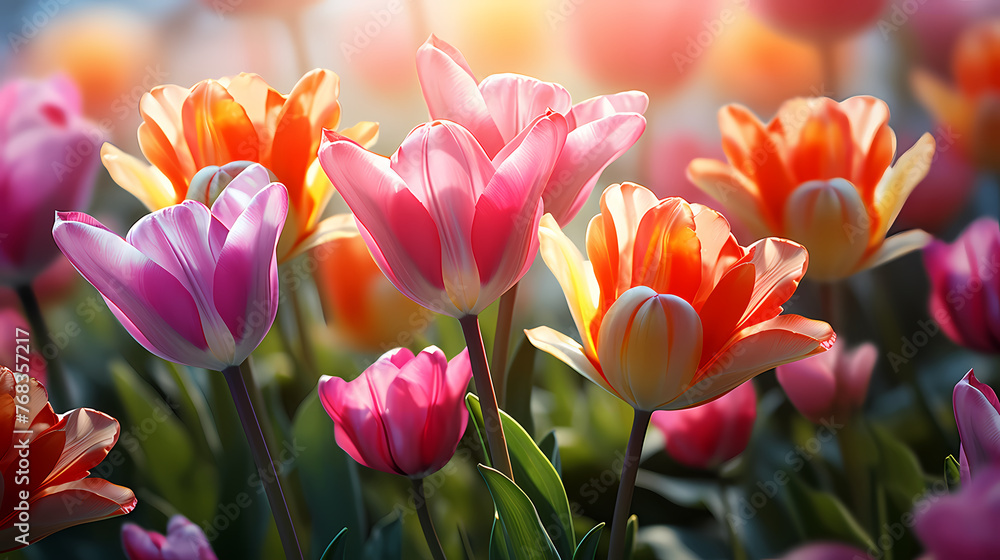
x=404, y=414
x=830, y=385
x=184, y=541
x=977, y=413
x=965, y=285
x=705, y=436
x=48, y=160
x=962, y=525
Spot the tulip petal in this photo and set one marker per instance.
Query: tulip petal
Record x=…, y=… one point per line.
x=610, y=239
x=569, y=352
x=89, y=436
x=899, y=181
x=719, y=249
x=743, y=139
x=831, y=220
x=364, y=133
x=575, y=277
x=734, y=191
x=335, y=227
x=589, y=110
x=216, y=128
x=515, y=101
x=779, y=265
x=237, y=195
x=144, y=181
x=811, y=385
x=874, y=142
x=666, y=251
x=896, y=246
x=161, y=135
x=358, y=428
x=824, y=148
x=978, y=416
x=261, y=102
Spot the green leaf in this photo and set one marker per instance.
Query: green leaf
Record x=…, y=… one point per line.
x=386, y=540
x=498, y=544
x=550, y=447
x=193, y=409
x=328, y=474
x=952, y=473
x=898, y=470
x=337, y=548
x=520, y=379
x=536, y=476
x=588, y=545
x=162, y=447
x=519, y=526
x=822, y=515
x=631, y=535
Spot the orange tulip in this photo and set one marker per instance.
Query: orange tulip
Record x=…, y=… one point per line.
x=972, y=108
x=672, y=311
x=819, y=173
x=240, y=119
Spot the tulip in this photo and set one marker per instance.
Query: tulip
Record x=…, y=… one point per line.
x=62, y=450
x=977, y=413
x=184, y=541
x=404, y=414
x=819, y=19
x=819, y=174
x=965, y=286
x=825, y=551
x=239, y=118
x=672, y=311
x=970, y=108
x=962, y=525
x=704, y=437
x=192, y=286
x=48, y=162
x=832, y=385
x=359, y=302
x=498, y=109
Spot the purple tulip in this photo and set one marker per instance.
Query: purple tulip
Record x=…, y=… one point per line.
x=184, y=541
x=48, y=162
x=192, y=286
x=964, y=525
x=977, y=413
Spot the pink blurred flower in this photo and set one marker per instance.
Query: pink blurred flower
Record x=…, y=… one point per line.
x=48, y=161
x=450, y=228
x=192, y=286
x=965, y=285
x=825, y=551
x=705, y=436
x=184, y=541
x=830, y=385
x=405, y=414
x=821, y=19
x=977, y=413
x=936, y=25
x=963, y=525
x=499, y=108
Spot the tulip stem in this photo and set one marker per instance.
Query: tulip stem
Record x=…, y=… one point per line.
x=501, y=343
x=851, y=440
x=487, y=398
x=426, y=523
x=56, y=382
x=237, y=378
x=626, y=487
x=305, y=338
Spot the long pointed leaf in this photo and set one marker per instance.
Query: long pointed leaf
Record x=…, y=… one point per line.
x=521, y=529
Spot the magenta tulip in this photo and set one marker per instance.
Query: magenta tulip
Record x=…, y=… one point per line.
x=48, y=162
x=405, y=414
x=451, y=229
x=826, y=551
x=192, y=286
x=965, y=286
x=184, y=541
x=705, y=436
x=977, y=413
x=831, y=385
x=497, y=109
x=963, y=525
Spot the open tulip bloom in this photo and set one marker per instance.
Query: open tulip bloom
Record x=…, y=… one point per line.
x=672, y=311
x=196, y=286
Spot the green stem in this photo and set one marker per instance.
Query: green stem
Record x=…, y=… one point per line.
x=487, y=398
x=306, y=349
x=851, y=440
x=627, y=485
x=501, y=343
x=734, y=540
x=240, y=380
x=426, y=523
x=56, y=383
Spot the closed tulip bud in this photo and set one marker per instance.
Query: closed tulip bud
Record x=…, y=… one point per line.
x=832, y=385
x=705, y=436
x=977, y=413
x=404, y=414
x=184, y=541
x=965, y=285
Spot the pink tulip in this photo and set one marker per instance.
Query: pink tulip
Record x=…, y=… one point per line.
x=192, y=286
x=705, y=436
x=821, y=19
x=965, y=286
x=405, y=414
x=963, y=525
x=826, y=551
x=48, y=161
x=499, y=108
x=977, y=413
x=451, y=229
x=184, y=541
x=831, y=385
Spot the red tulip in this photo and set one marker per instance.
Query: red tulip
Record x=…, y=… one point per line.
x=184, y=541
x=833, y=384
x=708, y=435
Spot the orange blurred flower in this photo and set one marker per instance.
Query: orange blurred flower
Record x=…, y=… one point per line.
x=62, y=449
x=672, y=311
x=972, y=107
x=819, y=173
x=241, y=118
x=359, y=301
